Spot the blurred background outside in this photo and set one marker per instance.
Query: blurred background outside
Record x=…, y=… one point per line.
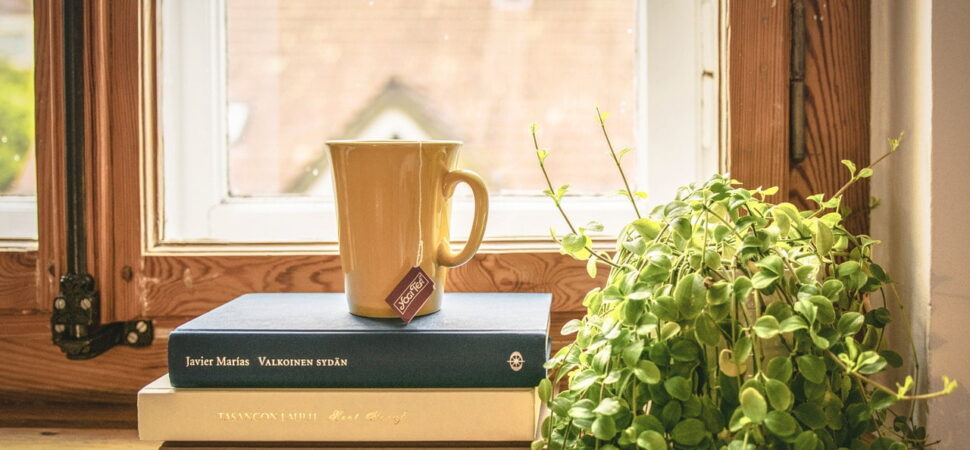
x=17, y=166
x=301, y=72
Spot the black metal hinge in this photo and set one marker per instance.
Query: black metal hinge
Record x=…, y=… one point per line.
x=796, y=145
x=75, y=322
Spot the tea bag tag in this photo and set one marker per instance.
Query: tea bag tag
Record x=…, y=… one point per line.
x=411, y=293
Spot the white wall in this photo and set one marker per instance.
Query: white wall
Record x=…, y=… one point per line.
x=950, y=263
x=921, y=85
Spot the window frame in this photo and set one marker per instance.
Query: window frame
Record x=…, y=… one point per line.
x=19, y=216
x=204, y=213
x=137, y=278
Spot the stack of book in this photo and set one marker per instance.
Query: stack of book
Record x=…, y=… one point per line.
x=299, y=367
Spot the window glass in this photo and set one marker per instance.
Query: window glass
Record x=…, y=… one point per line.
x=17, y=164
x=301, y=72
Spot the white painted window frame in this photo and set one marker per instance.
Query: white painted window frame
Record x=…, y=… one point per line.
x=676, y=66
x=18, y=221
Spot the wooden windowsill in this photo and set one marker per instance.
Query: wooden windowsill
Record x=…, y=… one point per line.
x=100, y=438
x=42, y=438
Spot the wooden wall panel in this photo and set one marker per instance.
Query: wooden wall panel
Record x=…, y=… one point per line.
x=837, y=104
x=182, y=285
x=67, y=415
x=836, y=92
x=33, y=369
x=18, y=282
x=191, y=285
x=758, y=65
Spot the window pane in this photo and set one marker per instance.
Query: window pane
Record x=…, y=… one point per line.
x=17, y=174
x=301, y=72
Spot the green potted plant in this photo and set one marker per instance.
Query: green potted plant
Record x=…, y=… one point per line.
x=729, y=321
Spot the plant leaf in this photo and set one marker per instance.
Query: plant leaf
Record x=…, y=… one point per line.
x=583, y=380
x=763, y=280
x=811, y=367
x=545, y=390
x=706, y=331
x=647, y=228
x=682, y=227
x=685, y=350
x=810, y=414
x=678, y=387
x=850, y=323
x=651, y=440
x=608, y=406
x=742, y=349
x=689, y=432
x=725, y=362
x=779, y=368
x=573, y=242
x=604, y=428
x=779, y=395
x=792, y=323
x=571, y=327
x=882, y=400
x=806, y=440
x=753, y=405
x=781, y=424
x=690, y=295
x=823, y=239
x=542, y=154
x=766, y=327
x=647, y=372
x=850, y=165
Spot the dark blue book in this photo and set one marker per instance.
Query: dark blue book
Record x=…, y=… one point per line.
x=311, y=340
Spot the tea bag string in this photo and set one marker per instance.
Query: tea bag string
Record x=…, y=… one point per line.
x=420, y=178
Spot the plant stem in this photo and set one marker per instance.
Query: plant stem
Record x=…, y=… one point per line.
x=853, y=180
x=565, y=217
x=545, y=174
x=912, y=343
x=880, y=386
x=723, y=221
x=616, y=160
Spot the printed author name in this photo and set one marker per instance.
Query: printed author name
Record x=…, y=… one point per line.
x=338, y=416
x=264, y=361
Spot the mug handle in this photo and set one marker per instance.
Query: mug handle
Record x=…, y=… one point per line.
x=445, y=256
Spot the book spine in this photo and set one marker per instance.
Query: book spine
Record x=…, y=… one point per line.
x=338, y=415
x=355, y=359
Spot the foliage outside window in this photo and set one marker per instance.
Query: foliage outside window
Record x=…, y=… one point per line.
x=16, y=98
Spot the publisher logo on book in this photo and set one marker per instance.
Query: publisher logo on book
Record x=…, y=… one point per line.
x=516, y=361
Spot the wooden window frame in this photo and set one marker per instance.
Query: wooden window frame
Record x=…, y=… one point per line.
x=137, y=279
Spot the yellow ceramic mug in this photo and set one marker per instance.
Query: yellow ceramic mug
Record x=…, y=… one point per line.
x=393, y=208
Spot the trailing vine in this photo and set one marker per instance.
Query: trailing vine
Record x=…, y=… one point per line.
x=729, y=321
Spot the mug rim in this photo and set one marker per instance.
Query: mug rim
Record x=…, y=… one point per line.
x=391, y=141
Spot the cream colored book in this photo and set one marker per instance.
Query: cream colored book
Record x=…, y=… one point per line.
x=378, y=415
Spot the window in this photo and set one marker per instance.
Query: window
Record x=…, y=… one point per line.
x=251, y=90
x=18, y=203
